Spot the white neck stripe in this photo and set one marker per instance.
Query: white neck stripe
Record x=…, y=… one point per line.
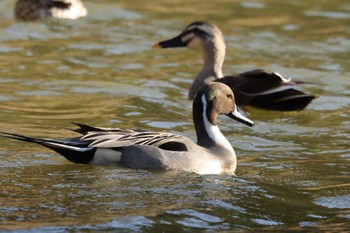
x=213, y=130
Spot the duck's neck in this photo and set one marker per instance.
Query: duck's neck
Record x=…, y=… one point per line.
x=208, y=134
x=213, y=56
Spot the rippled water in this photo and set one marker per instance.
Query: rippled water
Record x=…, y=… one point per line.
x=293, y=171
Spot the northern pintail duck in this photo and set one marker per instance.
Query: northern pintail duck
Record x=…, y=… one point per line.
x=258, y=88
x=212, y=154
x=37, y=9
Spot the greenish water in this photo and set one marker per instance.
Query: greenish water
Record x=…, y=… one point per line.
x=293, y=168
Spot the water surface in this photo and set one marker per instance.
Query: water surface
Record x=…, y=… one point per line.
x=293, y=170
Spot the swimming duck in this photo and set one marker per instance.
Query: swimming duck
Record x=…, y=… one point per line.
x=257, y=88
x=212, y=154
x=37, y=9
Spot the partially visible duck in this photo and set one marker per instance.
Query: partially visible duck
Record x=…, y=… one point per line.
x=36, y=9
x=257, y=88
x=212, y=154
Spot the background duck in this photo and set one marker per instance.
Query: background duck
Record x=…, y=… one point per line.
x=212, y=154
x=257, y=88
x=37, y=9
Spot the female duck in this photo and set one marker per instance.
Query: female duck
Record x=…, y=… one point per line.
x=258, y=88
x=37, y=9
x=212, y=154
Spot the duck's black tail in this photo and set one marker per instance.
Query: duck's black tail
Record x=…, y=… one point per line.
x=286, y=100
x=72, y=149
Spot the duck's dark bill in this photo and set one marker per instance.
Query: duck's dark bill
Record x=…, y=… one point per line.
x=240, y=118
x=172, y=43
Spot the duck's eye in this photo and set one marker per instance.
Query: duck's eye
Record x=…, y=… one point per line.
x=187, y=37
x=229, y=96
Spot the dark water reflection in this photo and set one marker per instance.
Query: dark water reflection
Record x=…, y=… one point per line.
x=293, y=171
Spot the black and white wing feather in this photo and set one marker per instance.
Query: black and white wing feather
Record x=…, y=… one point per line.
x=109, y=141
x=268, y=90
x=118, y=138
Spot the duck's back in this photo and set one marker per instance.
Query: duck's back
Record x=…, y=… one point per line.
x=28, y=10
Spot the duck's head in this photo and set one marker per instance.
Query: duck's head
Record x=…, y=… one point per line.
x=199, y=36
x=218, y=99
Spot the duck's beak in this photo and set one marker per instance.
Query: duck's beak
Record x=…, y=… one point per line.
x=236, y=115
x=172, y=43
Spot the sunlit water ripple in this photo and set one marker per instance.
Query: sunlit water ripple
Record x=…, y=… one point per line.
x=293, y=170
